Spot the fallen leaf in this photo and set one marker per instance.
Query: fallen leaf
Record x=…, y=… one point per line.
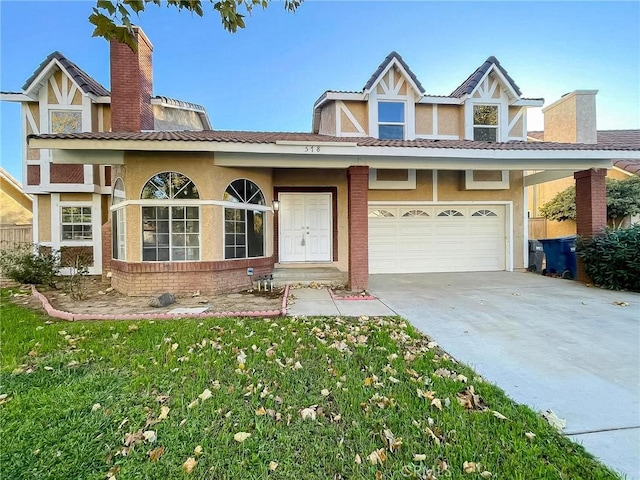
x=436, y=402
x=419, y=457
x=164, y=412
x=499, y=415
x=469, y=467
x=195, y=403
x=486, y=474
x=470, y=400
x=198, y=450
x=273, y=465
x=297, y=366
x=150, y=436
x=189, y=464
x=442, y=465
x=391, y=441
x=241, y=436
x=378, y=475
x=261, y=411
x=156, y=453
x=325, y=392
x=205, y=394
x=308, y=413
x=96, y=406
x=530, y=435
x=554, y=421
x=621, y=304
x=357, y=459
x=377, y=457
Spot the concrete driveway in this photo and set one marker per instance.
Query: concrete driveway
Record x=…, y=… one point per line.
x=548, y=343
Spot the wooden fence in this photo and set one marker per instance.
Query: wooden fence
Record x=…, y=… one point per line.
x=12, y=235
x=537, y=228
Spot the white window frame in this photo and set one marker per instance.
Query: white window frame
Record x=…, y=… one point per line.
x=403, y=124
x=245, y=207
x=474, y=125
x=74, y=241
x=170, y=206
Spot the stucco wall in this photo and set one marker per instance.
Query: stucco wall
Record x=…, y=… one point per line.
x=449, y=120
x=424, y=119
x=44, y=218
x=359, y=111
x=328, y=119
x=15, y=206
x=211, y=182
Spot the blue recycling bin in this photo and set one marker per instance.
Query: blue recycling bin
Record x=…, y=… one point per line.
x=561, y=257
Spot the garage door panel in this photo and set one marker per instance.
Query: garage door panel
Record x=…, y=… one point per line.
x=418, y=243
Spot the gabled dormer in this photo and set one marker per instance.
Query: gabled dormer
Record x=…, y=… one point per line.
x=392, y=92
x=487, y=106
x=493, y=105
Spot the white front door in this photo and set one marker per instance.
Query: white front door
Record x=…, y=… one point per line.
x=305, y=227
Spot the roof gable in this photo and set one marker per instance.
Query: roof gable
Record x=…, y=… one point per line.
x=83, y=80
x=491, y=64
x=391, y=60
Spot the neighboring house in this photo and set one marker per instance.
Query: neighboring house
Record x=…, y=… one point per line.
x=572, y=119
x=71, y=201
x=391, y=179
x=15, y=205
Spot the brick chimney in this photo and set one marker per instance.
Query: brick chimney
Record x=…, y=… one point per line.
x=572, y=119
x=131, y=85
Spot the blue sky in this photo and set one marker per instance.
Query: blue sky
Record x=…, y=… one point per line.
x=268, y=76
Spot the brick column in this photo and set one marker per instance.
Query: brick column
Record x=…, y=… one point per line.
x=358, y=180
x=591, y=207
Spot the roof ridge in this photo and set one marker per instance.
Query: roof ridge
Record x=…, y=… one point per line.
x=86, y=82
x=388, y=59
x=466, y=87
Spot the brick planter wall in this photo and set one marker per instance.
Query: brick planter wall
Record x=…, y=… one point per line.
x=155, y=278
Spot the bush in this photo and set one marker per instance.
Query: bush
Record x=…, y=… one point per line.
x=612, y=260
x=29, y=263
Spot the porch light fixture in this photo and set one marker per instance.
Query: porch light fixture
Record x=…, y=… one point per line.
x=276, y=205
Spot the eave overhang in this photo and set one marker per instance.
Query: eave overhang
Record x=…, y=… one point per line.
x=314, y=155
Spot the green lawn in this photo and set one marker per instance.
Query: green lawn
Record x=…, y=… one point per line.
x=318, y=396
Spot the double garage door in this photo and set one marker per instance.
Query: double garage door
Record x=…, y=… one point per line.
x=438, y=238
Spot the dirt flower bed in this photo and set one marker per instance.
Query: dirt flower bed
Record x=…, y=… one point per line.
x=99, y=298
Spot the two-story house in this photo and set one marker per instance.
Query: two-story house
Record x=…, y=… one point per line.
x=70, y=200
x=390, y=180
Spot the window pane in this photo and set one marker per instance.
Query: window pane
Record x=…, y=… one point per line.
x=255, y=235
x=485, y=115
x=149, y=255
x=177, y=212
x=391, y=112
x=163, y=254
x=485, y=134
x=391, y=132
x=192, y=254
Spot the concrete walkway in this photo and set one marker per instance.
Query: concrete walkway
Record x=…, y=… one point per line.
x=313, y=301
x=548, y=343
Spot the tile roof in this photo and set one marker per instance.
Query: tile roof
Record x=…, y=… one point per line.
x=86, y=83
x=383, y=65
x=470, y=83
x=618, y=139
x=273, y=137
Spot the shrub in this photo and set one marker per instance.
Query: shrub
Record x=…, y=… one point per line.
x=613, y=259
x=75, y=281
x=29, y=263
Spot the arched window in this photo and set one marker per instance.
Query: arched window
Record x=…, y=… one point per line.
x=450, y=213
x=118, y=234
x=415, y=213
x=380, y=214
x=170, y=227
x=244, y=226
x=484, y=213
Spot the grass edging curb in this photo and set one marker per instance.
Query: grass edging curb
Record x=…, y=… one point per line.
x=71, y=317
